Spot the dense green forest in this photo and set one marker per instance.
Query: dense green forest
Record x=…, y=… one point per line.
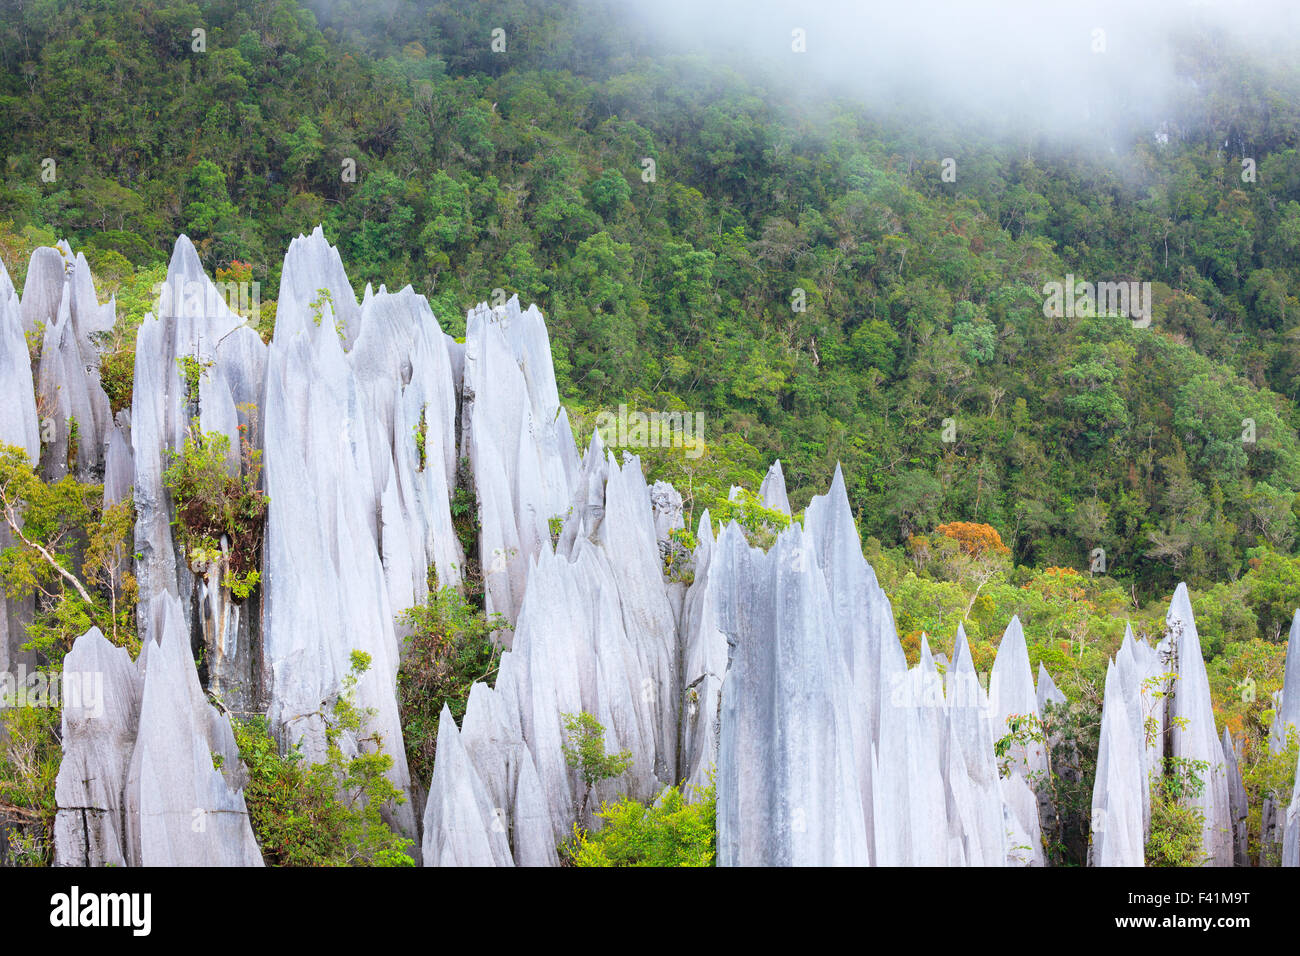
x=711, y=235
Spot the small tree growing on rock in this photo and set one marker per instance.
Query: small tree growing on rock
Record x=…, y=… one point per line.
x=584, y=750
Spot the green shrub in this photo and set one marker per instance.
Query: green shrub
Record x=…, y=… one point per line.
x=670, y=833
x=421, y=438
x=449, y=650
x=327, y=814
x=1176, y=826
x=584, y=750
x=30, y=754
x=1272, y=777
x=760, y=523
x=211, y=503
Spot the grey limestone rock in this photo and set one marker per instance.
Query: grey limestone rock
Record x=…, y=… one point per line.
x=1286, y=715
x=1236, y=802
x=101, y=714
x=1118, y=837
x=461, y=826
x=772, y=490
x=1193, y=734
x=1011, y=693
x=788, y=783
x=180, y=809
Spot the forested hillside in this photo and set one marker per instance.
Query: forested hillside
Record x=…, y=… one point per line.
x=523, y=171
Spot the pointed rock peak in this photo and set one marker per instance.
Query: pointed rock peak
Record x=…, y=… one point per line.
x=1011, y=685
x=1112, y=679
x=837, y=498
x=1045, y=679
x=837, y=482
x=1047, y=689
x=1180, y=608
x=961, y=655
x=1287, y=708
x=925, y=660
x=772, y=491
x=732, y=536
x=185, y=258
x=1013, y=639
x=6, y=284
x=704, y=528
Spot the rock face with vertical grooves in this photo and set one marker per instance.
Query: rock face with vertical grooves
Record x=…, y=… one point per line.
x=704, y=664
x=1236, y=801
x=191, y=320
x=519, y=444
x=1012, y=693
x=461, y=827
x=772, y=490
x=864, y=623
x=1142, y=673
x=180, y=809
x=1141, y=700
x=18, y=427
x=1192, y=732
x=909, y=794
x=18, y=424
x=779, y=670
x=1118, y=834
x=1291, y=832
x=594, y=635
x=99, y=732
x=69, y=396
x=974, y=800
x=788, y=786
x=327, y=451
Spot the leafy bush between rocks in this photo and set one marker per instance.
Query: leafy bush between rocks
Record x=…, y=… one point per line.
x=449, y=650
x=760, y=523
x=672, y=832
x=29, y=765
x=1272, y=777
x=211, y=503
x=1177, y=825
x=584, y=750
x=326, y=814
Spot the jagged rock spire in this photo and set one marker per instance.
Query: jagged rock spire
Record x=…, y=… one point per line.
x=786, y=706
x=1193, y=733
x=1012, y=693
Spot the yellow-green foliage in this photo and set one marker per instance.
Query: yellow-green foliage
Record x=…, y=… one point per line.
x=672, y=832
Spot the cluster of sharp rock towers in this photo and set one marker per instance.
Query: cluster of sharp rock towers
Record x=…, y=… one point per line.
x=778, y=673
